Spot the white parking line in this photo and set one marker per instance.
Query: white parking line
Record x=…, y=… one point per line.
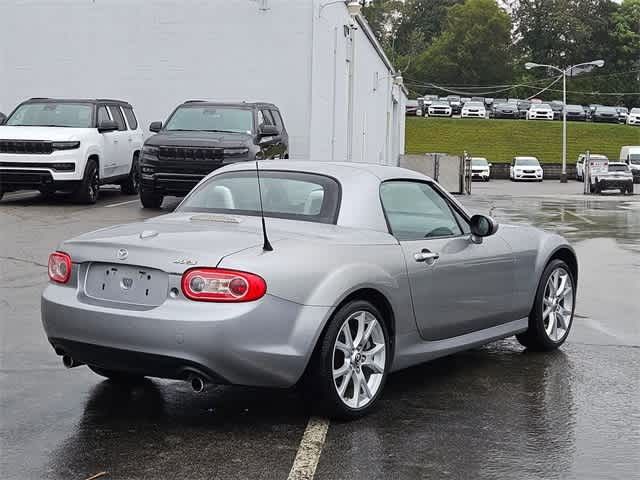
x=580, y=217
x=121, y=203
x=310, y=449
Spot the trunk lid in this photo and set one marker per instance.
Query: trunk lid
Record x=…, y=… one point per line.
x=171, y=243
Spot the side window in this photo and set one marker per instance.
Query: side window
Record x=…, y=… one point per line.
x=415, y=211
x=260, y=118
x=103, y=115
x=278, y=119
x=117, y=117
x=268, y=119
x=131, y=118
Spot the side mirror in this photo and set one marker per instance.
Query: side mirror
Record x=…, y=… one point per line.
x=155, y=127
x=482, y=226
x=268, y=131
x=491, y=164
x=3, y=118
x=106, y=126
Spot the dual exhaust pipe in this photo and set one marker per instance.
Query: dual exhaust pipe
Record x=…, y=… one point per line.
x=197, y=382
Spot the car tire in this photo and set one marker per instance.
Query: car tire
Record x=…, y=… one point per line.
x=151, y=200
x=338, y=352
x=89, y=189
x=551, y=318
x=131, y=186
x=116, y=376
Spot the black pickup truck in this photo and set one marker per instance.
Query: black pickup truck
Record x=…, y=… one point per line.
x=200, y=137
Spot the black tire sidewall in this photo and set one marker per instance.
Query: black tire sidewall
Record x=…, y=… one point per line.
x=150, y=199
x=333, y=404
x=83, y=193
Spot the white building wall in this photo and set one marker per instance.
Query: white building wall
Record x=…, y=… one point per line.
x=158, y=53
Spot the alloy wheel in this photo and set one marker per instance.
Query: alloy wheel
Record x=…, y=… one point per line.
x=359, y=359
x=557, y=309
x=94, y=185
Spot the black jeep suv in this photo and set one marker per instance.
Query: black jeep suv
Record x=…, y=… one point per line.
x=202, y=136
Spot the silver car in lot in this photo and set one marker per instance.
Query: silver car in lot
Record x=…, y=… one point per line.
x=360, y=270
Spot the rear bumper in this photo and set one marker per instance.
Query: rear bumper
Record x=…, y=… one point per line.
x=263, y=343
x=615, y=184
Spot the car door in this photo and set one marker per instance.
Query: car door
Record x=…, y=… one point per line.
x=281, y=146
x=108, y=160
x=268, y=144
x=457, y=285
x=124, y=155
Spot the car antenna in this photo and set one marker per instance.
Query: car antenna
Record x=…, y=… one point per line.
x=267, y=246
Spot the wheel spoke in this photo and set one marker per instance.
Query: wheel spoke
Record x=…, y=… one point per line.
x=342, y=370
x=356, y=390
x=547, y=311
x=347, y=335
x=373, y=366
x=378, y=347
x=367, y=334
x=360, y=332
x=343, y=347
x=563, y=283
x=343, y=386
x=566, y=291
x=554, y=328
x=365, y=385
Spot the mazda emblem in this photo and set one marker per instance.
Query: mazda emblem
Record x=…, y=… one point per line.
x=123, y=254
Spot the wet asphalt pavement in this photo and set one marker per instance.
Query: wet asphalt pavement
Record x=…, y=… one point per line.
x=496, y=412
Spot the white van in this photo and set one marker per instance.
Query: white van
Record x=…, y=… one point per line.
x=630, y=155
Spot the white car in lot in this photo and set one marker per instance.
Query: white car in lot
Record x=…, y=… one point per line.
x=540, y=111
x=440, y=108
x=474, y=110
x=630, y=155
x=70, y=145
x=525, y=168
x=480, y=169
x=633, y=118
x=580, y=163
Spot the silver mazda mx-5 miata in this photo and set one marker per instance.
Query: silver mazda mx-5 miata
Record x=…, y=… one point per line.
x=361, y=270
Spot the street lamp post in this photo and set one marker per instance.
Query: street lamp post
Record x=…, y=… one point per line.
x=564, y=72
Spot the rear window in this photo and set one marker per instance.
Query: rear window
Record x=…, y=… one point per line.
x=618, y=168
x=290, y=195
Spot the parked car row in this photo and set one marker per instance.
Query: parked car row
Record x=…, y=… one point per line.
x=534, y=109
x=76, y=146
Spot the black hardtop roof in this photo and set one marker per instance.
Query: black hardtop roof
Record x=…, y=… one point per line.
x=231, y=104
x=77, y=100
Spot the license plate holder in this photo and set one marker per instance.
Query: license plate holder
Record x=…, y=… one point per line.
x=126, y=284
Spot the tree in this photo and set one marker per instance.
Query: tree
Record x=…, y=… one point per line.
x=473, y=48
x=564, y=32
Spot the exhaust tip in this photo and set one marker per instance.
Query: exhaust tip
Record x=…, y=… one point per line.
x=197, y=384
x=68, y=361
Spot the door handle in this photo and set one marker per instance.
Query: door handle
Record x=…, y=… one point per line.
x=426, y=256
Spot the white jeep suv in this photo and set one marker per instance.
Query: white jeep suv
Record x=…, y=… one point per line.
x=70, y=145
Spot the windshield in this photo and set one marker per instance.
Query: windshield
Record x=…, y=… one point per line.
x=606, y=110
x=474, y=104
x=540, y=106
x=527, y=162
x=479, y=162
x=290, y=195
x=440, y=103
x=635, y=111
x=634, y=158
x=618, y=168
x=50, y=114
x=211, y=119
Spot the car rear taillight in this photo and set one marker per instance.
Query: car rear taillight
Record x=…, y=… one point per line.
x=219, y=285
x=59, y=267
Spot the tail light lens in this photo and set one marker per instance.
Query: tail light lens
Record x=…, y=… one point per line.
x=219, y=285
x=59, y=267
